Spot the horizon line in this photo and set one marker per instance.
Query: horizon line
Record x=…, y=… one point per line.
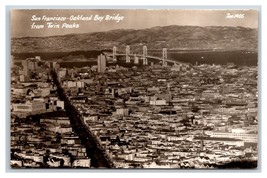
x=19, y=37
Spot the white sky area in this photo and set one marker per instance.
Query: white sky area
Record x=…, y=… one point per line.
x=21, y=20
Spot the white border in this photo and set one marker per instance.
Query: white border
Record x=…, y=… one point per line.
x=134, y=3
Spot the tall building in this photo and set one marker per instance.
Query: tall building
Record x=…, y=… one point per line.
x=25, y=70
x=136, y=59
x=29, y=67
x=101, y=63
x=114, y=53
x=128, y=59
x=32, y=65
x=56, y=66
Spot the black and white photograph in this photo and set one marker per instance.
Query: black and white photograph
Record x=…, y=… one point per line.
x=134, y=89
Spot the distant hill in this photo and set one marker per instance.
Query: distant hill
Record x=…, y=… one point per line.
x=171, y=37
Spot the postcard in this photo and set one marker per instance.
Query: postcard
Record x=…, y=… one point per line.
x=134, y=88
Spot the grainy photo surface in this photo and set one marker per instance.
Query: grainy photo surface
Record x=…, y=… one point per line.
x=125, y=88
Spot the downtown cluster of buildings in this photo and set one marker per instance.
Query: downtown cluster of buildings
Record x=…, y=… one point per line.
x=41, y=132
x=32, y=90
x=168, y=116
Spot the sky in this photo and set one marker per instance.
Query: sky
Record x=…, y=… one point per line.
x=22, y=20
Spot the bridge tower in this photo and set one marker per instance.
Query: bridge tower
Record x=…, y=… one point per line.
x=145, y=62
x=144, y=51
x=101, y=63
x=128, y=59
x=164, y=56
x=114, y=53
x=136, y=59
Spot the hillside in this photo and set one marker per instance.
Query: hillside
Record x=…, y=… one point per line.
x=172, y=37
